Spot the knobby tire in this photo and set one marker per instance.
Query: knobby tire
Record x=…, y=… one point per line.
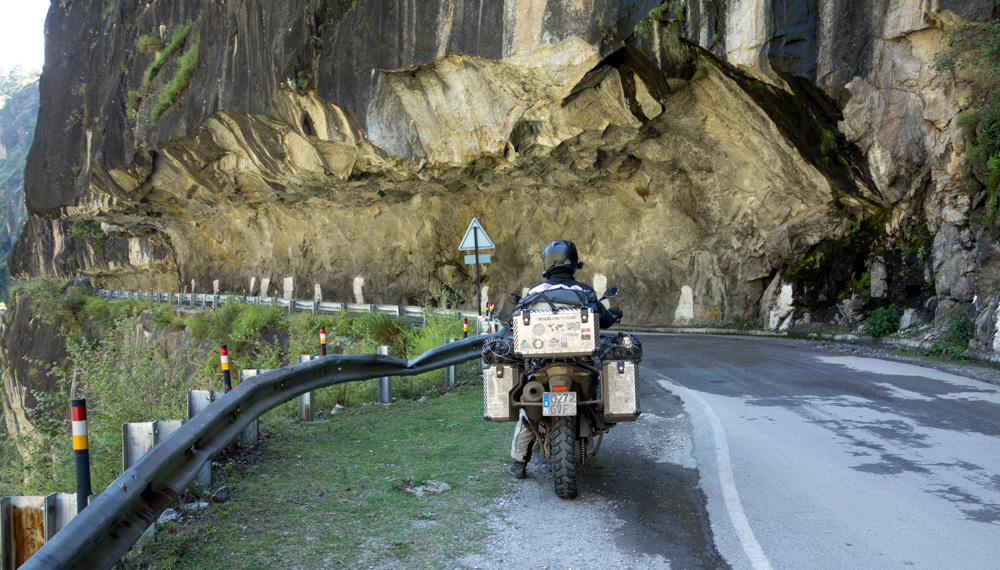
x=564, y=456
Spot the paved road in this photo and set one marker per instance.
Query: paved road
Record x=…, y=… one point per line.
x=815, y=460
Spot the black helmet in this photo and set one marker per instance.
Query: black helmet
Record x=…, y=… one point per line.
x=560, y=255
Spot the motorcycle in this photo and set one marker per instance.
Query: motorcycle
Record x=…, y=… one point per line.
x=569, y=381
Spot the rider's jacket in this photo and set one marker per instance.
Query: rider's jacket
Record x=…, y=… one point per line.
x=564, y=280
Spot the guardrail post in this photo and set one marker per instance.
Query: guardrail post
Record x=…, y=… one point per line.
x=384, y=383
x=449, y=371
x=28, y=522
x=307, y=401
x=81, y=451
x=140, y=437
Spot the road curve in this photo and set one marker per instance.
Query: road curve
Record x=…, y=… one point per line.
x=815, y=460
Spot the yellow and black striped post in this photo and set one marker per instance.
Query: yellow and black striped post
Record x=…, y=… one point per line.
x=226, y=380
x=465, y=328
x=81, y=451
x=322, y=341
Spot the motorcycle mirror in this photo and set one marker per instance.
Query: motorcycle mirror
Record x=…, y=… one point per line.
x=610, y=292
x=514, y=298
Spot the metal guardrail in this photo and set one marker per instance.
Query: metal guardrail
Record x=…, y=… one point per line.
x=200, y=300
x=100, y=535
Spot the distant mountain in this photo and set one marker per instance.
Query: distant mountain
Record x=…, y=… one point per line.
x=18, y=113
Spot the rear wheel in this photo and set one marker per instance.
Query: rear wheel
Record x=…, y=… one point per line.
x=564, y=456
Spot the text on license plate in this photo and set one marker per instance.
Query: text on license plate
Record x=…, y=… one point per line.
x=559, y=404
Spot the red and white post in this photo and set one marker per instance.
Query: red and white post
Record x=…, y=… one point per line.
x=322, y=341
x=226, y=379
x=81, y=451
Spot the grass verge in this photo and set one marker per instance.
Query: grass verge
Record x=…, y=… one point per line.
x=323, y=495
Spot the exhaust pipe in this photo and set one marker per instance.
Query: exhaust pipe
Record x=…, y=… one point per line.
x=533, y=391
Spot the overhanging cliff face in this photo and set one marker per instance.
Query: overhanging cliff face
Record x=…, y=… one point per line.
x=330, y=140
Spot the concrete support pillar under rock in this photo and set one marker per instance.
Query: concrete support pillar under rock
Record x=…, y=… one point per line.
x=264, y=284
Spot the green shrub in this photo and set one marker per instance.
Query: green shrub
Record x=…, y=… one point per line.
x=883, y=321
x=177, y=40
x=90, y=229
x=304, y=331
x=185, y=72
x=134, y=103
x=149, y=43
x=956, y=334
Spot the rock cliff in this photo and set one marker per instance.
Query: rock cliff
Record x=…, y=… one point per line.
x=711, y=158
x=18, y=112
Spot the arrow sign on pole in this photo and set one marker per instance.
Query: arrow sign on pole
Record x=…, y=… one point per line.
x=475, y=234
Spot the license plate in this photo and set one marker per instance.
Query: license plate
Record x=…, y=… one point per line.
x=559, y=404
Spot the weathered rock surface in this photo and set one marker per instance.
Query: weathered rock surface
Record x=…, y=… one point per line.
x=332, y=140
x=29, y=345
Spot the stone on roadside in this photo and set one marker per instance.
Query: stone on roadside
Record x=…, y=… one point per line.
x=169, y=515
x=222, y=495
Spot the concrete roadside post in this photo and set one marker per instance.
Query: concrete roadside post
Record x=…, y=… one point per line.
x=215, y=294
x=289, y=286
x=264, y=284
x=317, y=299
x=449, y=372
x=384, y=383
x=81, y=451
x=192, y=293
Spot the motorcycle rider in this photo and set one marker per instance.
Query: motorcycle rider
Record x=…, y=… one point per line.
x=559, y=262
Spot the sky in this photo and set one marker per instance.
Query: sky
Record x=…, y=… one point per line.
x=22, y=33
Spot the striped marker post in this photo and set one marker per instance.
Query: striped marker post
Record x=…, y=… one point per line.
x=81, y=451
x=322, y=341
x=226, y=380
x=465, y=328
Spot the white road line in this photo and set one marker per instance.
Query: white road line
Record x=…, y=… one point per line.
x=758, y=560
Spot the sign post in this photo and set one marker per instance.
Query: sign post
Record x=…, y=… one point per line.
x=476, y=238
